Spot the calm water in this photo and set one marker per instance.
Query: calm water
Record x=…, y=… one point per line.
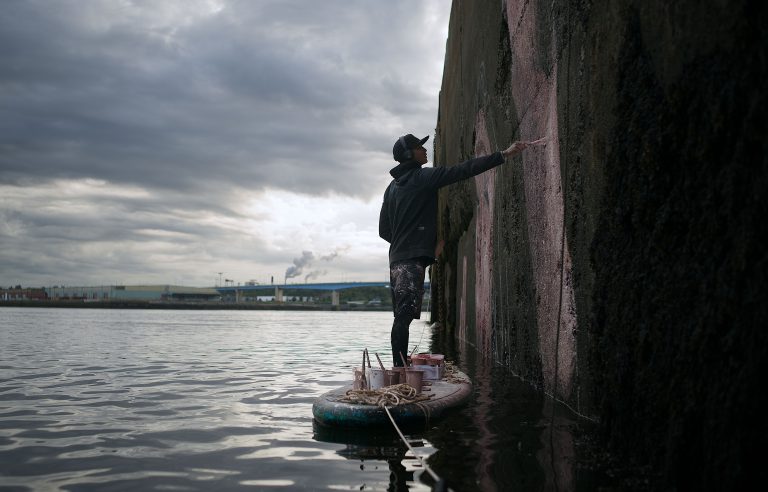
x=95, y=399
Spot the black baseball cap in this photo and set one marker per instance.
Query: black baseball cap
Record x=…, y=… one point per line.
x=411, y=142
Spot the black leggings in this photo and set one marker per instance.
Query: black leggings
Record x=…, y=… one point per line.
x=400, y=331
x=407, y=286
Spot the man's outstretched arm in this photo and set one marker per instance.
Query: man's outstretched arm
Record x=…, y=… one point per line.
x=443, y=176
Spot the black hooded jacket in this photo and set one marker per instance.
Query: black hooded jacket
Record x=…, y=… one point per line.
x=408, y=219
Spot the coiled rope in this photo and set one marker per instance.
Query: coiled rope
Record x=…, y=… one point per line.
x=397, y=394
x=452, y=375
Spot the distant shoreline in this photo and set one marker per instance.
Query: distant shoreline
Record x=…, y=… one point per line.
x=251, y=306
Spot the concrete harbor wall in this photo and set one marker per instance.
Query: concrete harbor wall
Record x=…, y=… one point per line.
x=619, y=267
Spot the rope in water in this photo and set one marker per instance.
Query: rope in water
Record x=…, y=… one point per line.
x=391, y=396
x=418, y=457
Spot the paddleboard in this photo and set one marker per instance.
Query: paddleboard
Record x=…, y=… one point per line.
x=329, y=410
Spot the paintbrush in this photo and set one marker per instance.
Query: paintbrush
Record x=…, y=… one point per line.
x=405, y=364
x=368, y=357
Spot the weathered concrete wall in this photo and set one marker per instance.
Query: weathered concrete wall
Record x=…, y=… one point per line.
x=620, y=267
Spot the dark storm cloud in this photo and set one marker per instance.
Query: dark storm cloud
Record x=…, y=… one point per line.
x=257, y=94
x=135, y=135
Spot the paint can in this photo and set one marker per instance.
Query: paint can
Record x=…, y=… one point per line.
x=400, y=375
x=420, y=359
x=414, y=377
x=391, y=377
x=357, y=381
x=376, y=378
x=436, y=359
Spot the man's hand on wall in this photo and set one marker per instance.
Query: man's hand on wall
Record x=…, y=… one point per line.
x=514, y=149
x=518, y=147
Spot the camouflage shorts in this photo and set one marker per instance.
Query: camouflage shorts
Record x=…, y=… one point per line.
x=406, y=280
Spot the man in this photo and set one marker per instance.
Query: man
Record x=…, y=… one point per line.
x=408, y=221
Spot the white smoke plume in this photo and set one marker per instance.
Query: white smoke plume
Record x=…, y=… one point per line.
x=299, y=264
x=306, y=260
x=314, y=274
x=335, y=253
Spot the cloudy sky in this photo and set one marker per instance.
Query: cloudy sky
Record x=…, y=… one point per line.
x=166, y=141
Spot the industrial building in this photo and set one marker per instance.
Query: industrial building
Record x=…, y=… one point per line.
x=22, y=294
x=134, y=293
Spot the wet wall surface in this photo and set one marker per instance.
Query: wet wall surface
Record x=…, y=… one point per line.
x=621, y=266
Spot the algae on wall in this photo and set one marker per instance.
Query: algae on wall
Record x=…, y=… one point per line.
x=619, y=268
x=507, y=262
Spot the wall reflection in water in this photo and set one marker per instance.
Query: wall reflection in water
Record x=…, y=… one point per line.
x=509, y=437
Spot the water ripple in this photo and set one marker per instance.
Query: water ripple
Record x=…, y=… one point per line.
x=175, y=400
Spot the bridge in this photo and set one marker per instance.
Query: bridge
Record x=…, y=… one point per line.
x=279, y=289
